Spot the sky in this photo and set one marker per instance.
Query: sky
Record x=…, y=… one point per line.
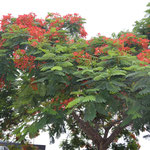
x=102, y=16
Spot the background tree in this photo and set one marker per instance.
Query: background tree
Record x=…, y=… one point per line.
x=142, y=27
x=99, y=88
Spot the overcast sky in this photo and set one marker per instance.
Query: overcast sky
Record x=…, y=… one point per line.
x=102, y=16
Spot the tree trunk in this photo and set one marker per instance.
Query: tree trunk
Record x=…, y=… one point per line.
x=101, y=147
x=102, y=143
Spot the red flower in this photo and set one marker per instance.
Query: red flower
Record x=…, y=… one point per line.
x=75, y=53
x=41, y=22
x=22, y=61
x=36, y=33
x=83, y=32
x=2, y=42
x=99, y=50
x=144, y=56
x=5, y=21
x=57, y=41
x=34, y=44
x=33, y=85
x=2, y=82
x=22, y=51
x=26, y=20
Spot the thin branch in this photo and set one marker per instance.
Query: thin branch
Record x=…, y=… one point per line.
x=109, y=126
x=114, y=134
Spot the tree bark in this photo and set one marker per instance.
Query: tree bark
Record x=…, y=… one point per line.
x=101, y=147
x=88, y=130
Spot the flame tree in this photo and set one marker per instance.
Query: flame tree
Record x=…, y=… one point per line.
x=52, y=78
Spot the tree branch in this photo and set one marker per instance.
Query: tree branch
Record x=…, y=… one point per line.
x=88, y=130
x=114, y=134
x=109, y=126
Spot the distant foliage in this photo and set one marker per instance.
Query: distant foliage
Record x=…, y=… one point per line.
x=142, y=27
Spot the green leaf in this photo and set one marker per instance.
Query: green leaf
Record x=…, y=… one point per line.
x=134, y=111
x=92, y=90
x=66, y=64
x=118, y=72
x=3, y=50
x=81, y=99
x=100, y=109
x=56, y=68
x=2, y=55
x=100, y=99
x=89, y=98
x=74, y=102
x=47, y=67
x=82, y=67
x=98, y=69
x=60, y=49
x=126, y=121
x=105, y=57
x=101, y=76
x=52, y=30
x=112, y=53
x=145, y=91
x=112, y=88
x=76, y=93
x=43, y=50
x=90, y=112
x=50, y=111
x=132, y=68
x=46, y=56
x=42, y=90
x=87, y=71
x=117, y=83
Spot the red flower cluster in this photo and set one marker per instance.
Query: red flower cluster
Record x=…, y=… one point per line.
x=41, y=22
x=39, y=29
x=144, y=56
x=125, y=44
x=5, y=21
x=99, y=50
x=1, y=42
x=56, y=35
x=75, y=18
x=22, y=61
x=26, y=20
x=36, y=33
x=56, y=21
x=34, y=44
x=56, y=24
x=83, y=32
x=70, y=41
x=2, y=82
x=65, y=103
x=131, y=40
x=33, y=85
x=78, y=55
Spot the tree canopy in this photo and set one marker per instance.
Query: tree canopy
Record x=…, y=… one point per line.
x=52, y=78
